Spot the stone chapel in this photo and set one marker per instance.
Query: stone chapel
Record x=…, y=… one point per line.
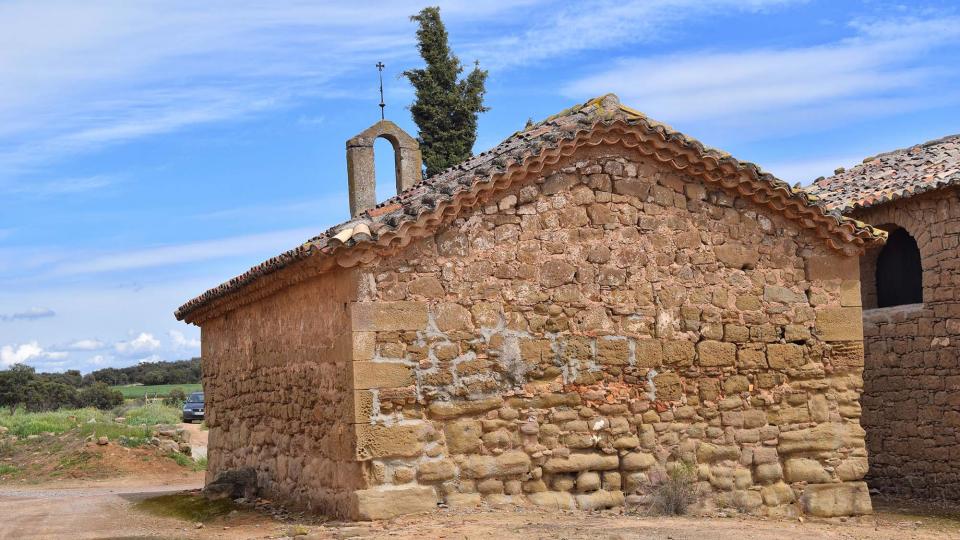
x=564, y=320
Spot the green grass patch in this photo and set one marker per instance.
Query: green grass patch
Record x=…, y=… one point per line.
x=187, y=506
x=153, y=413
x=114, y=431
x=7, y=469
x=23, y=423
x=182, y=460
x=78, y=460
x=157, y=390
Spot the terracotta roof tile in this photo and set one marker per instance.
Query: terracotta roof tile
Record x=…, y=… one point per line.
x=540, y=145
x=891, y=176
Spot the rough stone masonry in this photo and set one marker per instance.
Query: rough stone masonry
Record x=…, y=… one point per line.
x=562, y=322
x=911, y=401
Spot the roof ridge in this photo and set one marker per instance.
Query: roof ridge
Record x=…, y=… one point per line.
x=599, y=120
x=891, y=175
x=905, y=149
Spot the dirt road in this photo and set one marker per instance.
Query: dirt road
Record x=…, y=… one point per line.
x=86, y=509
x=107, y=511
x=198, y=439
x=93, y=510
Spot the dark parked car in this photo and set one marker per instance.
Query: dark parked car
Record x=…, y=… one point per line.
x=193, y=409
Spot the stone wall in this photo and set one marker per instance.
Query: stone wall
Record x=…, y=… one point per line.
x=579, y=337
x=911, y=401
x=277, y=379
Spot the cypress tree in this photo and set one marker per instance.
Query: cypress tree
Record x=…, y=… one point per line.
x=446, y=106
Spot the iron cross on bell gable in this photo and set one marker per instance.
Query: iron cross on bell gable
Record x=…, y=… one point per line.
x=380, y=67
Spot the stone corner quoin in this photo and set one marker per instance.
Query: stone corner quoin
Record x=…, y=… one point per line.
x=565, y=342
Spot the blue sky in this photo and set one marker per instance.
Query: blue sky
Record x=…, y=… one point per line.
x=151, y=150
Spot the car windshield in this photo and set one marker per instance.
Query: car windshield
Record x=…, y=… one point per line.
x=196, y=397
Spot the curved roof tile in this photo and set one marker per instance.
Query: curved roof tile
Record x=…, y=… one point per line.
x=599, y=120
x=893, y=175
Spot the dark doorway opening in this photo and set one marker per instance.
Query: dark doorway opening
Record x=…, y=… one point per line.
x=899, y=272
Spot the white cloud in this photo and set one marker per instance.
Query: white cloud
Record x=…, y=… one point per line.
x=17, y=354
x=277, y=241
x=63, y=186
x=142, y=344
x=25, y=352
x=98, y=360
x=78, y=77
x=29, y=314
x=564, y=28
x=86, y=345
x=875, y=72
x=182, y=342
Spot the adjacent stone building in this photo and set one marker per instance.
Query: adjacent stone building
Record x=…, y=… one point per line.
x=563, y=321
x=911, y=300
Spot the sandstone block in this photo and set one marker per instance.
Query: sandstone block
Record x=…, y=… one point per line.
x=805, y=470
x=476, y=466
x=513, y=462
x=553, y=500
x=381, y=375
x=751, y=359
x=388, y=316
x=613, y=351
x=436, y=471
x=635, y=461
x=362, y=406
x=588, y=481
x=850, y=294
x=785, y=355
x=648, y=353
x=378, y=441
x=668, y=386
x=839, y=324
x=554, y=273
x=768, y=472
x=832, y=267
x=783, y=295
x=451, y=409
x=581, y=462
x=834, y=500
x=600, y=500
x=464, y=500
x=716, y=353
x=463, y=436
x=364, y=345
x=369, y=504
x=777, y=494
x=822, y=438
x=852, y=468
x=679, y=353
x=450, y=317
x=737, y=255
x=709, y=453
x=428, y=286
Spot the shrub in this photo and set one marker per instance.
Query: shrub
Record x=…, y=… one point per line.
x=101, y=396
x=677, y=492
x=153, y=413
x=22, y=423
x=175, y=398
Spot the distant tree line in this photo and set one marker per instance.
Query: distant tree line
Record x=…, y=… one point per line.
x=22, y=386
x=148, y=373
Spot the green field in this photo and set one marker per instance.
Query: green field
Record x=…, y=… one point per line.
x=159, y=390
